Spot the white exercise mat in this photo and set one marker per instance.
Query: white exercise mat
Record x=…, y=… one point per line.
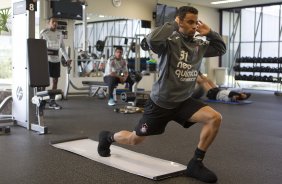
x=126, y=160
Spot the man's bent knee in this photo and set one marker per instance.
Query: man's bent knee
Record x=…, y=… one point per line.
x=216, y=119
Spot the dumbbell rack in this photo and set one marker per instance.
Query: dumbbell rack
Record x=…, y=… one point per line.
x=279, y=87
x=259, y=69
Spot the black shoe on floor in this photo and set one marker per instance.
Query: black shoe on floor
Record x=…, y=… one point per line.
x=197, y=170
x=105, y=143
x=54, y=105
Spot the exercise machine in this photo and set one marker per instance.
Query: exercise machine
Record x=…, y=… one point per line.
x=90, y=88
x=135, y=98
x=6, y=120
x=23, y=27
x=30, y=68
x=69, y=83
x=38, y=79
x=134, y=47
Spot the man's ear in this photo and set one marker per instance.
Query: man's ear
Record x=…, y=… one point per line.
x=180, y=23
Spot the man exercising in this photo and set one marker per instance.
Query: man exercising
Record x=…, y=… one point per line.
x=180, y=56
x=213, y=92
x=116, y=72
x=55, y=43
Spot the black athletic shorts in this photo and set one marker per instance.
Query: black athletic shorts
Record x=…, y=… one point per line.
x=155, y=118
x=54, y=69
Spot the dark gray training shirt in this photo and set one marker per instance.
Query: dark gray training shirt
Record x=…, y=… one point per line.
x=179, y=62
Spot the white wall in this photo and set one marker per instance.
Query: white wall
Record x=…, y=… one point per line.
x=5, y=4
x=131, y=9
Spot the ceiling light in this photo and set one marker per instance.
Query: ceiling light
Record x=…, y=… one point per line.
x=226, y=1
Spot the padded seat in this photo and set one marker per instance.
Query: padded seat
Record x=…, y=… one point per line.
x=94, y=83
x=49, y=92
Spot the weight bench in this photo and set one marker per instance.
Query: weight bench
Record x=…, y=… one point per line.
x=39, y=78
x=95, y=86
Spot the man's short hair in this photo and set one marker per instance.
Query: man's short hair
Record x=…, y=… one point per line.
x=51, y=17
x=182, y=11
x=119, y=48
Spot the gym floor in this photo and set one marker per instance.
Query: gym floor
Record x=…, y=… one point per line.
x=247, y=149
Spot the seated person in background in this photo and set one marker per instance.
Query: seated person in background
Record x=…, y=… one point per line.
x=214, y=93
x=116, y=72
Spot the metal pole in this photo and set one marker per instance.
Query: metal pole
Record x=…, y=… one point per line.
x=84, y=29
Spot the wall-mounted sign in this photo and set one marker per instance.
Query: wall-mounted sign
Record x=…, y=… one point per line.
x=21, y=6
x=31, y=5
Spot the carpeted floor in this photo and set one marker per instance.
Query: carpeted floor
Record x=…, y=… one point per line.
x=247, y=149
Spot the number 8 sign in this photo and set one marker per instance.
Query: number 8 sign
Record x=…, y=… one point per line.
x=31, y=5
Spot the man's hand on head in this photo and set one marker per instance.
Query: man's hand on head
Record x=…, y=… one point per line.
x=202, y=28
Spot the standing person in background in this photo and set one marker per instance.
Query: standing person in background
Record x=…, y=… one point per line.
x=116, y=72
x=180, y=56
x=55, y=43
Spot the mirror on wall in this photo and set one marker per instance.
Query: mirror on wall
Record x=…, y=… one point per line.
x=103, y=34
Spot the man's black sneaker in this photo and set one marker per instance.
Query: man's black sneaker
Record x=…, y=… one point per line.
x=197, y=170
x=105, y=143
x=54, y=105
